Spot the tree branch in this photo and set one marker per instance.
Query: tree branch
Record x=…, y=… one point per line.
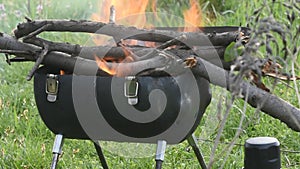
x=213, y=54
x=267, y=102
x=122, y=32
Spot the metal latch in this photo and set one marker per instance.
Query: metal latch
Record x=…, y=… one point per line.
x=131, y=87
x=52, y=87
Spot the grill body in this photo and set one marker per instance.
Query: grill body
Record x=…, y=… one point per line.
x=72, y=116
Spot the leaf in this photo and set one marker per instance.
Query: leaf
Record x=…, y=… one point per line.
x=232, y=52
x=258, y=83
x=282, y=76
x=273, y=69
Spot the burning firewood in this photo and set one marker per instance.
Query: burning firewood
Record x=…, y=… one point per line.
x=66, y=56
x=117, y=53
x=200, y=52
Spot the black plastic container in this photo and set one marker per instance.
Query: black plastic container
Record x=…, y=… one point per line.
x=262, y=153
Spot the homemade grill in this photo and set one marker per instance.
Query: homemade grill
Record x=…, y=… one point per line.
x=61, y=117
x=62, y=101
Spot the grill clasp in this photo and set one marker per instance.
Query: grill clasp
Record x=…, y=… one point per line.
x=131, y=87
x=52, y=87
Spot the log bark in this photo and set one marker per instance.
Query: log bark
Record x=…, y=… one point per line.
x=77, y=65
x=256, y=97
x=52, y=59
x=32, y=28
x=118, y=52
x=213, y=54
x=267, y=102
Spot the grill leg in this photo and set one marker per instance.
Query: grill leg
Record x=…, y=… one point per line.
x=192, y=140
x=160, y=153
x=57, y=146
x=101, y=155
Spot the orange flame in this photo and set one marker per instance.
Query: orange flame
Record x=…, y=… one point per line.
x=62, y=72
x=193, y=17
x=111, y=67
x=124, y=9
x=126, y=14
x=132, y=13
x=102, y=64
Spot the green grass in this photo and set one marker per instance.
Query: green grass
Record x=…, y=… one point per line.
x=25, y=142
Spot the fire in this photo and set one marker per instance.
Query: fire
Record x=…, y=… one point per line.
x=133, y=13
x=193, y=17
x=129, y=12
x=110, y=64
x=103, y=64
x=124, y=9
x=62, y=72
x=126, y=12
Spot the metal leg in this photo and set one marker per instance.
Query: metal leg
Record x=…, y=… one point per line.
x=101, y=155
x=160, y=153
x=57, y=146
x=192, y=140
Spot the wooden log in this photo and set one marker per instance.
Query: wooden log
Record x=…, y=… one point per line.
x=32, y=28
x=265, y=101
x=77, y=65
x=213, y=54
